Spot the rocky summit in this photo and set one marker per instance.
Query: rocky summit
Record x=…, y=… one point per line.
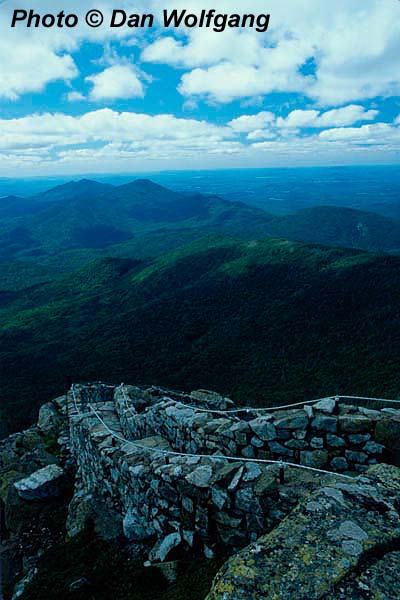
x=300, y=502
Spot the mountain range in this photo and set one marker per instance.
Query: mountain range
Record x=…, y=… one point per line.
x=132, y=218
x=140, y=282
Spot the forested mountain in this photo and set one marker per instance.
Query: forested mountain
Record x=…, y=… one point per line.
x=265, y=321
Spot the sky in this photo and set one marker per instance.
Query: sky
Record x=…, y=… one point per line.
x=320, y=87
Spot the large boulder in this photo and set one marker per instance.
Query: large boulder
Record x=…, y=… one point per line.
x=333, y=535
x=50, y=419
x=44, y=484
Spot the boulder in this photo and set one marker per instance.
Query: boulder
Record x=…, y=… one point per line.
x=327, y=405
x=44, y=484
x=355, y=423
x=49, y=420
x=322, y=423
x=200, y=477
x=136, y=528
x=314, y=458
x=294, y=419
x=263, y=428
x=387, y=432
x=163, y=548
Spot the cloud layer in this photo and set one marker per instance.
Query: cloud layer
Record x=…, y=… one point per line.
x=314, y=88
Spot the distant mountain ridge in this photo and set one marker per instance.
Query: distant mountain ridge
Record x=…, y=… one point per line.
x=142, y=217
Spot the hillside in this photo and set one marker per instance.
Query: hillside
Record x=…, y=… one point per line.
x=274, y=319
x=69, y=225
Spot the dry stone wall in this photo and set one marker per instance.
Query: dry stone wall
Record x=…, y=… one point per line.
x=204, y=503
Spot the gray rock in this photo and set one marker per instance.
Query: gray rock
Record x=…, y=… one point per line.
x=247, y=501
x=200, y=477
x=350, y=529
x=296, y=419
x=136, y=528
x=248, y=452
x=356, y=457
x=252, y=472
x=280, y=450
x=322, y=423
x=314, y=458
x=43, y=484
x=373, y=448
x=317, y=442
x=339, y=463
x=335, y=441
x=49, y=419
x=327, y=405
x=359, y=438
x=219, y=497
x=256, y=442
x=167, y=545
x=263, y=428
x=296, y=444
x=352, y=548
x=355, y=423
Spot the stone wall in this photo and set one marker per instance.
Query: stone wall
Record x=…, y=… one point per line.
x=202, y=504
x=328, y=435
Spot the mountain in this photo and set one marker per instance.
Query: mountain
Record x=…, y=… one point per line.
x=273, y=320
x=72, y=224
x=89, y=215
x=339, y=226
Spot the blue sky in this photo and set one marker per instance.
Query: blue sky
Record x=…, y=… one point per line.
x=320, y=87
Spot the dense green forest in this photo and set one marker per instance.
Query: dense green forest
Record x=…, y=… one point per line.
x=264, y=321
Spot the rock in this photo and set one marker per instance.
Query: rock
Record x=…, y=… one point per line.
x=327, y=405
x=356, y=457
x=248, y=452
x=349, y=529
x=334, y=441
x=296, y=444
x=373, y=448
x=359, y=438
x=352, y=548
x=279, y=450
x=263, y=428
x=355, y=423
x=162, y=549
x=322, y=423
x=387, y=432
x=317, y=443
x=314, y=458
x=295, y=419
x=339, y=463
x=136, y=528
x=43, y=484
x=256, y=442
x=49, y=419
x=313, y=552
x=200, y=477
x=247, y=501
x=219, y=497
x=252, y=472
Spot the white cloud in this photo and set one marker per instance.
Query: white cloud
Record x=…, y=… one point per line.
x=29, y=68
x=118, y=81
x=75, y=97
x=339, y=117
x=247, y=123
x=109, y=140
x=353, y=47
x=374, y=134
